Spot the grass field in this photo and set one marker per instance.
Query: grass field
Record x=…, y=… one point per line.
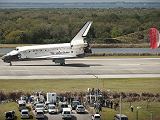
x=144, y=113
x=11, y=106
x=61, y=85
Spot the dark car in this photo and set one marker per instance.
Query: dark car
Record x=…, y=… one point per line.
x=120, y=117
x=10, y=115
x=74, y=104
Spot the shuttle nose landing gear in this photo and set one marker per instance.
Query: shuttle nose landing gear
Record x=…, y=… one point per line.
x=7, y=59
x=60, y=61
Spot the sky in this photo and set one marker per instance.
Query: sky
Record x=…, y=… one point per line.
x=66, y=1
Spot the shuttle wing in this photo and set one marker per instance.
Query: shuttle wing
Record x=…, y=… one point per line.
x=55, y=57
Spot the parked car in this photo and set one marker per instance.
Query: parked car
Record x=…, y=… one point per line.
x=62, y=105
x=80, y=109
x=66, y=113
x=74, y=104
x=122, y=116
x=21, y=104
x=39, y=106
x=10, y=115
x=52, y=109
x=96, y=117
x=39, y=114
x=25, y=114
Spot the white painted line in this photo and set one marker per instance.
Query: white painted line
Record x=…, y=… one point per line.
x=90, y=59
x=82, y=76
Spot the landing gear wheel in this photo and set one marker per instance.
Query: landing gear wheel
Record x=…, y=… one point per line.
x=62, y=64
x=10, y=63
x=60, y=61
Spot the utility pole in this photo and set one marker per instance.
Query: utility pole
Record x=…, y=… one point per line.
x=103, y=84
x=96, y=91
x=120, y=106
x=137, y=112
x=151, y=115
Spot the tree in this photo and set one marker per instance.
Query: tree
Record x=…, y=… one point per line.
x=115, y=32
x=113, y=17
x=14, y=37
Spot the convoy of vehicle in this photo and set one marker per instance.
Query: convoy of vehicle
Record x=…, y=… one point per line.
x=41, y=107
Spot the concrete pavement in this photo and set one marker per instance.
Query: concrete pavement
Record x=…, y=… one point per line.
x=82, y=68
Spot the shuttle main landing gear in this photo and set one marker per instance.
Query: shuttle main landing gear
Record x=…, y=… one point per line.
x=60, y=61
x=10, y=63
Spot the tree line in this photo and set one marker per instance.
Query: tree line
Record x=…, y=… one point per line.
x=41, y=26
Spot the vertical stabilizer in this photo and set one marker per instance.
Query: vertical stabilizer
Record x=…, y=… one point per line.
x=79, y=38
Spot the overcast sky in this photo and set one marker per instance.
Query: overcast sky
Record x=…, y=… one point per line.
x=58, y=1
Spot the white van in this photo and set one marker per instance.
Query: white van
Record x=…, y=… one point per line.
x=66, y=113
x=122, y=116
x=52, y=109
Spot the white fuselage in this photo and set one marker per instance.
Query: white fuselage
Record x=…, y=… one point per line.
x=51, y=51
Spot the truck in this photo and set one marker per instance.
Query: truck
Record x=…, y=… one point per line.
x=51, y=98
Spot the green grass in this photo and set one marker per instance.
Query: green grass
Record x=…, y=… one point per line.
x=61, y=85
x=143, y=114
x=8, y=107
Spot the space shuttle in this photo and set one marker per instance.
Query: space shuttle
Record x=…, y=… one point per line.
x=78, y=47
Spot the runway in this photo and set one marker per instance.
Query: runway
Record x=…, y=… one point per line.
x=82, y=68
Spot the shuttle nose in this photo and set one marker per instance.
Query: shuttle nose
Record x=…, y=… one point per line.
x=6, y=58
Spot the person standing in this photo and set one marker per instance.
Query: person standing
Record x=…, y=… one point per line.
x=131, y=108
